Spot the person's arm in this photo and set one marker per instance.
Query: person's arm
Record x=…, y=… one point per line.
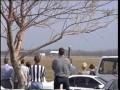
x=43, y=72
x=69, y=66
x=13, y=76
x=43, y=75
x=29, y=74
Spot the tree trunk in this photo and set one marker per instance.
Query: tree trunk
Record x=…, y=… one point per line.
x=13, y=57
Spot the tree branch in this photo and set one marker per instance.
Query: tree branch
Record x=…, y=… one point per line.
x=46, y=44
x=3, y=36
x=4, y=16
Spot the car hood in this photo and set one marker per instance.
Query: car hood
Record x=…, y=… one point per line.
x=108, y=77
x=80, y=88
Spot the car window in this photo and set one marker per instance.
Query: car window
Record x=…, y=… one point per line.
x=77, y=81
x=86, y=82
x=101, y=80
x=72, y=81
x=80, y=82
x=91, y=83
x=109, y=66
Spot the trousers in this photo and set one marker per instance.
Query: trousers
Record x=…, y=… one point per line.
x=35, y=86
x=61, y=80
x=6, y=83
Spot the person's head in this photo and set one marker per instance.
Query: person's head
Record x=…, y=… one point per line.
x=84, y=66
x=37, y=58
x=28, y=64
x=61, y=51
x=23, y=61
x=91, y=66
x=6, y=61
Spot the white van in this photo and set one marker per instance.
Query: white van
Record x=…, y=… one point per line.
x=108, y=68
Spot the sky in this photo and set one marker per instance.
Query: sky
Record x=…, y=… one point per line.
x=103, y=39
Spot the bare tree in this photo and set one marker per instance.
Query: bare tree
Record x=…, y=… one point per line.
x=77, y=17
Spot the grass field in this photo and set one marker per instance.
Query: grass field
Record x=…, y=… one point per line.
x=77, y=61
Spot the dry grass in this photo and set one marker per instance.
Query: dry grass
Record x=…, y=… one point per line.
x=77, y=61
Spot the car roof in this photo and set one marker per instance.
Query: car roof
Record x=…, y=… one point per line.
x=109, y=56
x=92, y=76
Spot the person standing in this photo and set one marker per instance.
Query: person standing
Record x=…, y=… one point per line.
x=92, y=69
x=25, y=72
x=28, y=64
x=61, y=67
x=37, y=74
x=6, y=74
x=84, y=69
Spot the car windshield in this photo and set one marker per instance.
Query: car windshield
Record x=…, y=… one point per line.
x=101, y=80
x=109, y=66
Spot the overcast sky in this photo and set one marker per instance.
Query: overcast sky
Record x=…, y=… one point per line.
x=103, y=39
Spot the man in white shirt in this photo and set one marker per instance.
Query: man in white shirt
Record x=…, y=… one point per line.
x=25, y=72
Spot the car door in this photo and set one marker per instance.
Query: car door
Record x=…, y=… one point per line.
x=83, y=83
x=92, y=83
x=77, y=83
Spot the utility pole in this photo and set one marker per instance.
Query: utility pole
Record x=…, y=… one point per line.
x=69, y=54
x=69, y=50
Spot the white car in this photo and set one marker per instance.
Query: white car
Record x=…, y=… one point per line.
x=80, y=82
x=86, y=82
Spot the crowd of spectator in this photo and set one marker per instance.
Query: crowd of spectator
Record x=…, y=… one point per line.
x=33, y=75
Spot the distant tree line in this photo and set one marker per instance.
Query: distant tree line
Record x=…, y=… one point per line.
x=95, y=53
x=113, y=52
